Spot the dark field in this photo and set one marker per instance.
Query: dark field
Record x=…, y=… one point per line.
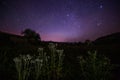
x=71, y=50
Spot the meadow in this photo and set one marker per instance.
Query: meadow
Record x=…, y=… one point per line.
x=79, y=61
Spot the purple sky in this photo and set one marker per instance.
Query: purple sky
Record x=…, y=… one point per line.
x=61, y=20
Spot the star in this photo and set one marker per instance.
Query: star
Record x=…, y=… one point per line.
x=68, y=15
x=99, y=23
x=101, y=6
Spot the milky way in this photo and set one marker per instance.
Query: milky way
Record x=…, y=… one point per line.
x=61, y=20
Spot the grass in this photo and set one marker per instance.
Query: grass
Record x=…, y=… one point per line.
x=42, y=65
x=94, y=67
x=70, y=67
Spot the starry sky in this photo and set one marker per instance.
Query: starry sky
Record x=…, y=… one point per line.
x=61, y=20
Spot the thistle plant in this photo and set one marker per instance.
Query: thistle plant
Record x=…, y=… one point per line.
x=60, y=62
x=56, y=63
x=52, y=55
x=26, y=66
x=94, y=67
x=44, y=65
x=23, y=66
x=38, y=68
x=40, y=64
x=18, y=63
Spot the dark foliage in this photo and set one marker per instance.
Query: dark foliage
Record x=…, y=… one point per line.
x=9, y=48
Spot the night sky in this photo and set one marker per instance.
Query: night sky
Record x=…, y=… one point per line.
x=61, y=20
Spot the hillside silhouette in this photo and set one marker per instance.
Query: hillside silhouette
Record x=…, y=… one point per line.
x=113, y=38
x=10, y=39
x=7, y=38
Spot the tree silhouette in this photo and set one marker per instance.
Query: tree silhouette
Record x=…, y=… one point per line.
x=31, y=35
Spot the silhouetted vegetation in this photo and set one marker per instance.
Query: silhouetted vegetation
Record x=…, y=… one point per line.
x=71, y=67
x=31, y=35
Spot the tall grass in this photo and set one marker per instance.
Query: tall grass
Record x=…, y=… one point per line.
x=23, y=66
x=44, y=66
x=94, y=67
